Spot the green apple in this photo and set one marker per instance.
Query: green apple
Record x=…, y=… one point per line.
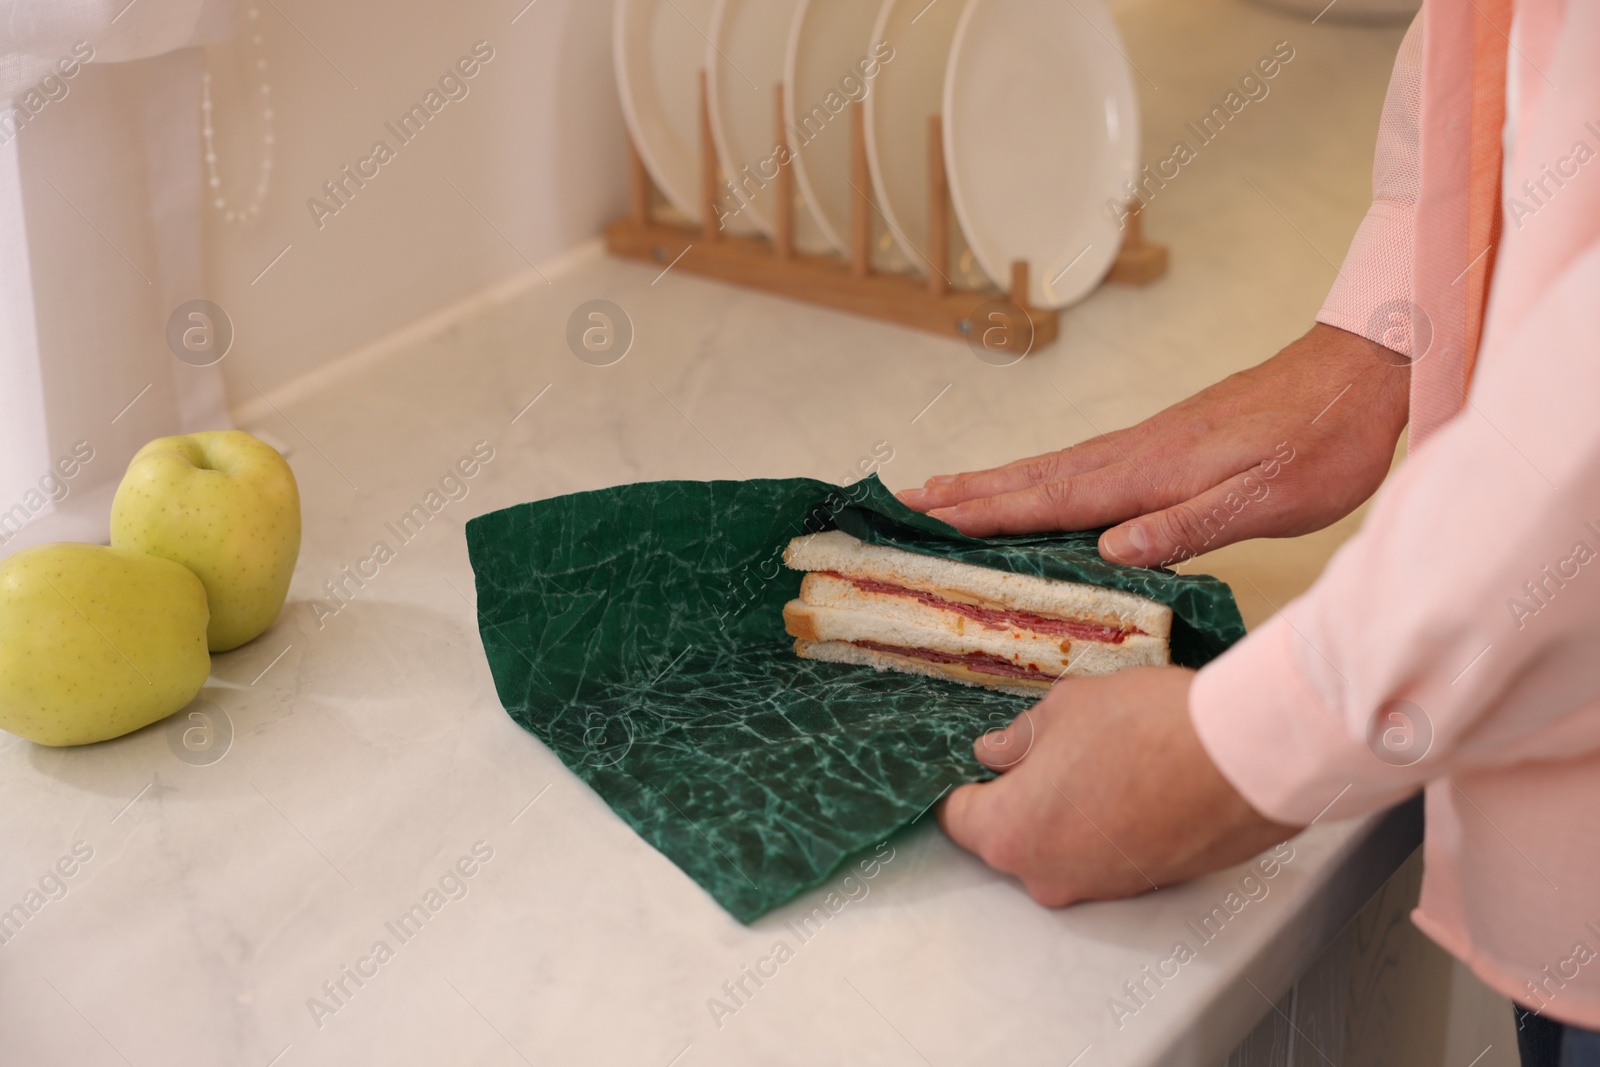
x=225, y=505
x=96, y=641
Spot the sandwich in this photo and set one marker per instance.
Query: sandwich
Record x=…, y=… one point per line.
x=883, y=607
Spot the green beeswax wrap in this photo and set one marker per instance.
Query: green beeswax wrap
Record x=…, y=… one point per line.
x=638, y=632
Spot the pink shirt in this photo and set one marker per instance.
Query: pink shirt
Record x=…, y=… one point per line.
x=1454, y=642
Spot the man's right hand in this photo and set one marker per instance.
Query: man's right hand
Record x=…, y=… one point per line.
x=1278, y=450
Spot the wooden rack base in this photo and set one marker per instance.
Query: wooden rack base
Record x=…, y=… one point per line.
x=826, y=280
x=1003, y=323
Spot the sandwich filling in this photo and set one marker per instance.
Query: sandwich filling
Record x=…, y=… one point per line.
x=995, y=618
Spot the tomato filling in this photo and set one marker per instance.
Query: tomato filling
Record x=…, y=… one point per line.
x=996, y=618
x=982, y=662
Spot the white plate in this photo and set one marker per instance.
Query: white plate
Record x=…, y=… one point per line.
x=830, y=43
x=659, y=48
x=1041, y=130
x=744, y=61
x=909, y=90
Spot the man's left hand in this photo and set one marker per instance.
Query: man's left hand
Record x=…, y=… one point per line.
x=1105, y=791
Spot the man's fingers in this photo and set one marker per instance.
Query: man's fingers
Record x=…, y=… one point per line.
x=967, y=816
x=1107, y=494
x=946, y=490
x=997, y=822
x=1244, y=506
x=973, y=815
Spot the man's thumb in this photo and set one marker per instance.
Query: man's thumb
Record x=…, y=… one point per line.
x=1236, y=510
x=963, y=815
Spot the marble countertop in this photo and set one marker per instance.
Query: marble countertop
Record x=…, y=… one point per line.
x=247, y=903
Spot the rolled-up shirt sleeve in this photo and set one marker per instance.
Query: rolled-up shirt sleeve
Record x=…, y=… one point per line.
x=1457, y=630
x=1372, y=292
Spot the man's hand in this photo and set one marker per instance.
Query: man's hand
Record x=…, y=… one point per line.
x=1105, y=791
x=1275, y=451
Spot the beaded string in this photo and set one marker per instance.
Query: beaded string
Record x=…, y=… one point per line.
x=207, y=132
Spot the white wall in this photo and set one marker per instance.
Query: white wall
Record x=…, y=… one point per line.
x=537, y=145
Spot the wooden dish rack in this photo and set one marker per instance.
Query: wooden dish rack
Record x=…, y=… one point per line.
x=776, y=266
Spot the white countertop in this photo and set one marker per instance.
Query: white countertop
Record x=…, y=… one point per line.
x=370, y=752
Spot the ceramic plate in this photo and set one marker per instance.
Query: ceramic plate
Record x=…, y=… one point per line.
x=830, y=54
x=659, y=48
x=1041, y=130
x=744, y=61
x=908, y=91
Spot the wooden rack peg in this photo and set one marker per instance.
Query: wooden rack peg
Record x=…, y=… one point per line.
x=711, y=227
x=638, y=187
x=783, y=212
x=861, y=200
x=938, y=211
x=1019, y=283
x=1138, y=262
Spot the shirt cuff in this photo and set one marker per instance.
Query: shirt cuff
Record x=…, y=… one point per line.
x=1371, y=296
x=1275, y=740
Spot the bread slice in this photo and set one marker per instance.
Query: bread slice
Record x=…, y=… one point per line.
x=891, y=609
x=844, y=652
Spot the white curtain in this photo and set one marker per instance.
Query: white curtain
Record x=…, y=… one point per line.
x=100, y=240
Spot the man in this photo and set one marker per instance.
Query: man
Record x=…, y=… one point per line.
x=1462, y=620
